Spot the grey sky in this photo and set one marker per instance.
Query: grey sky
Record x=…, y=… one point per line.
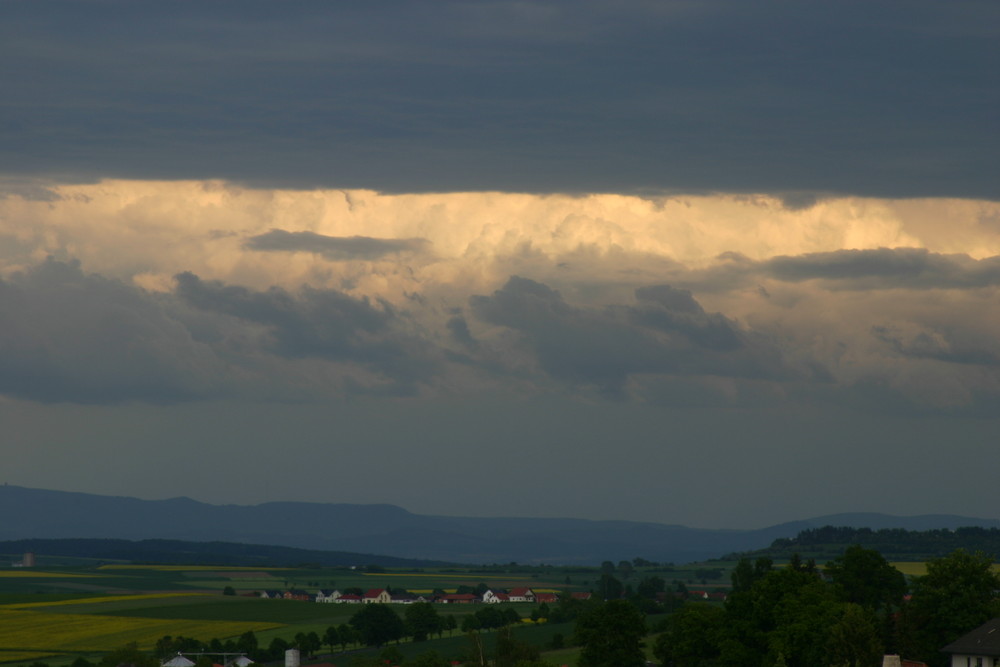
x=717, y=263
x=877, y=98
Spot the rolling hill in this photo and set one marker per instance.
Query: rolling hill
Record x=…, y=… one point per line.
x=386, y=529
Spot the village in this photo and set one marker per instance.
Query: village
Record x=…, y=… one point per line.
x=384, y=596
x=489, y=596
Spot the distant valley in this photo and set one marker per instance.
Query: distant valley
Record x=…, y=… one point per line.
x=394, y=532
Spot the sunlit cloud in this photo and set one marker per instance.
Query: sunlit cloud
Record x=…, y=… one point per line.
x=434, y=292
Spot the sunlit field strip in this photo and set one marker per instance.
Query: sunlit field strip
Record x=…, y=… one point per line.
x=18, y=656
x=911, y=569
x=24, y=656
x=192, y=568
x=919, y=569
x=443, y=575
x=87, y=632
x=103, y=598
x=35, y=574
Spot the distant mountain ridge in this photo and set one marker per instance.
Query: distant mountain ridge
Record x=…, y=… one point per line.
x=223, y=554
x=390, y=530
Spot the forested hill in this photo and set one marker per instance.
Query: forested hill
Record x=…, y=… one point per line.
x=892, y=543
x=180, y=552
x=387, y=529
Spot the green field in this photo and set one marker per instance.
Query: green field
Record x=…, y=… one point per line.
x=57, y=613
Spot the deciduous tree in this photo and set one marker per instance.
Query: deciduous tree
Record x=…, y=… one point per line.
x=956, y=595
x=377, y=624
x=693, y=636
x=331, y=638
x=864, y=577
x=854, y=640
x=422, y=620
x=129, y=655
x=611, y=635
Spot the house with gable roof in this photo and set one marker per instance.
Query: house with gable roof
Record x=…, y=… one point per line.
x=521, y=595
x=893, y=660
x=377, y=596
x=978, y=648
x=178, y=661
x=494, y=597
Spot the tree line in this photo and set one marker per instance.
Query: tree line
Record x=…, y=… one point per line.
x=889, y=541
x=848, y=614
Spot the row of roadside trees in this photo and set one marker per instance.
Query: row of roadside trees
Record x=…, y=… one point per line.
x=795, y=617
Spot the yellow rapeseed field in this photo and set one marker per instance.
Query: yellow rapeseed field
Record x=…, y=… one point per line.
x=911, y=569
x=27, y=630
x=422, y=574
x=103, y=598
x=919, y=569
x=188, y=568
x=35, y=574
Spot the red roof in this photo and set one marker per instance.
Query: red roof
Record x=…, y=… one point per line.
x=520, y=592
x=546, y=597
x=580, y=596
x=374, y=592
x=459, y=596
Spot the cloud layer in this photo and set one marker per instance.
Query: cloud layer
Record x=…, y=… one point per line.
x=194, y=291
x=681, y=244
x=864, y=98
x=312, y=341
x=332, y=247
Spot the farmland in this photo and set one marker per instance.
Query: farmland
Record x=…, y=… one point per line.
x=63, y=615
x=55, y=614
x=28, y=630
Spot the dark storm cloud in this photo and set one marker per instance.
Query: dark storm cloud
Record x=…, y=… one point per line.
x=319, y=323
x=667, y=333
x=71, y=337
x=881, y=268
x=879, y=98
x=889, y=267
x=333, y=247
x=928, y=346
x=667, y=309
x=459, y=330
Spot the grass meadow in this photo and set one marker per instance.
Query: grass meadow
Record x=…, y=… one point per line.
x=55, y=614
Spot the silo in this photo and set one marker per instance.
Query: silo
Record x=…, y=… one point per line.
x=29, y=560
x=292, y=657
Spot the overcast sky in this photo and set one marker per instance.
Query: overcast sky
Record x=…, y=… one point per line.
x=721, y=264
